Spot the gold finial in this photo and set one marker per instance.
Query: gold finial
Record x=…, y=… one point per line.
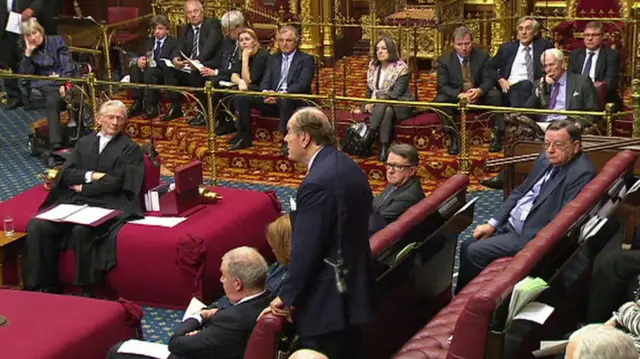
x=3, y=98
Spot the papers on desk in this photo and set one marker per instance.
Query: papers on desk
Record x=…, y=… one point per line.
x=168, y=222
x=524, y=292
x=14, y=22
x=72, y=213
x=550, y=347
x=535, y=312
x=195, y=306
x=138, y=347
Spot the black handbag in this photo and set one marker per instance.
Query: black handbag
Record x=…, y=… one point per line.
x=358, y=140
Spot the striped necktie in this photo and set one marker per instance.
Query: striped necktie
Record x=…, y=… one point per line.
x=194, y=46
x=528, y=59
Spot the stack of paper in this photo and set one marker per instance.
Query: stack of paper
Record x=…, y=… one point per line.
x=195, y=306
x=524, y=292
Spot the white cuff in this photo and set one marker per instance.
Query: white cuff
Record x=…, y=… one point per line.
x=493, y=223
x=197, y=317
x=87, y=177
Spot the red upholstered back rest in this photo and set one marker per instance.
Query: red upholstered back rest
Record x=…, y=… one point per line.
x=116, y=14
x=601, y=92
x=151, y=178
x=263, y=343
x=473, y=324
x=415, y=215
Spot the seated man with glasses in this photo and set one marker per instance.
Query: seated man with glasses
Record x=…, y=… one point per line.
x=404, y=189
x=558, y=175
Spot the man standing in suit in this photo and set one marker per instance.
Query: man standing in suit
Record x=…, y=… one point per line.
x=11, y=54
x=222, y=333
x=463, y=72
x=557, y=177
x=600, y=63
x=149, y=70
x=404, y=189
x=330, y=286
x=517, y=67
x=566, y=91
x=199, y=40
x=288, y=71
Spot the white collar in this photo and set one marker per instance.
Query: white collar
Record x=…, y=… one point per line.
x=194, y=27
x=595, y=52
x=161, y=40
x=313, y=158
x=288, y=56
x=100, y=134
x=245, y=299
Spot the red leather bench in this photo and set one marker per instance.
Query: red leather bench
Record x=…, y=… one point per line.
x=468, y=318
x=413, y=286
x=49, y=326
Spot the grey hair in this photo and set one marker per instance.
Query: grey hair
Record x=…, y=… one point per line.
x=30, y=26
x=247, y=265
x=232, y=19
x=461, y=32
x=197, y=4
x=291, y=28
x=556, y=53
x=536, y=24
x=112, y=104
x=599, y=341
x=313, y=121
x=406, y=151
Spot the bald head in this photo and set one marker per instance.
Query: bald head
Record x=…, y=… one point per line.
x=307, y=354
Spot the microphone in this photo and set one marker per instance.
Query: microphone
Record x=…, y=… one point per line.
x=340, y=272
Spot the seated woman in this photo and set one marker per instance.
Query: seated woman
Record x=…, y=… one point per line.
x=254, y=62
x=279, y=238
x=387, y=79
x=47, y=56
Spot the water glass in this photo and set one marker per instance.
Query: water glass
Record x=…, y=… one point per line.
x=9, y=229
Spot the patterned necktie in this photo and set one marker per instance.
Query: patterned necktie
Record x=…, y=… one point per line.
x=194, y=45
x=554, y=95
x=587, y=65
x=156, y=52
x=467, y=83
x=284, y=72
x=528, y=60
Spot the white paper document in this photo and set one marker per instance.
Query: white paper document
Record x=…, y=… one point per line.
x=88, y=215
x=226, y=83
x=60, y=212
x=535, y=312
x=138, y=347
x=550, y=347
x=169, y=63
x=195, y=306
x=14, y=22
x=194, y=63
x=543, y=125
x=292, y=204
x=168, y=222
x=467, y=205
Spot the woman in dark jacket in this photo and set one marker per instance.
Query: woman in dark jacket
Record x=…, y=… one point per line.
x=253, y=64
x=387, y=79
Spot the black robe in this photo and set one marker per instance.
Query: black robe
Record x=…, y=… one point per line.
x=123, y=162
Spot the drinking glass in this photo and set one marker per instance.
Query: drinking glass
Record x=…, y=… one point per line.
x=9, y=229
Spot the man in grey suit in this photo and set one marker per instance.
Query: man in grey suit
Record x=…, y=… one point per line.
x=404, y=188
x=557, y=177
x=463, y=72
x=567, y=91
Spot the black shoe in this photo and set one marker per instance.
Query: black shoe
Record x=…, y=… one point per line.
x=244, y=141
x=224, y=127
x=198, y=121
x=384, y=152
x=495, y=182
x=454, y=148
x=496, y=145
x=12, y=104
x=175, y=112
x=135, y=110
x=284, y=151
x=151, y=112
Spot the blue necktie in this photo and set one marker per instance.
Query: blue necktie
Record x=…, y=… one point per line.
x=554, y=95
x=196, y=41
x=284, y=72
x=156, y=52
x=587, y=65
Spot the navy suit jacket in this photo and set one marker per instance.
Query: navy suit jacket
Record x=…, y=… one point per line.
x=209, y=41
x=607, y=69
x=387, y=207
x=299, y=78
x=503, y=60
x=310, y=284
x=560, y=190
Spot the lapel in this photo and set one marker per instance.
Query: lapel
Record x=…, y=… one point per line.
x=550, y=186
x=602, y=59
x=456, y=67
x=292, y=66
x=580, y=59
x=512, y=57
x=569, y=91
x=275, y=79
x=475, y=68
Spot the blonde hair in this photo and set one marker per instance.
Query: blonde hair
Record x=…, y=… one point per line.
x=248, y=30
x=30, y=26
x=279, y=238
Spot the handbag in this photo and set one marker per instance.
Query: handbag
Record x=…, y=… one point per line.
x=358, y=140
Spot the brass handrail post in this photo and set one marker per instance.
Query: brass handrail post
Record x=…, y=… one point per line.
x=464, y=138
x=608, y=118
x=106, y=47
x=635, y=94
x=91, y=84
x=211, y=125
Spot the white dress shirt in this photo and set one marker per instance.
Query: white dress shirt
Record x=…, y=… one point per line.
x=519, y=67
x=104, y=140
x=594, y=61
x=313, y=158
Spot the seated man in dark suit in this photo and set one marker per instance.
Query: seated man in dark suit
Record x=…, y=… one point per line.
x=150, y=69
x=199, y=39
x=517, y=66
x=566, y=91
x=600, y=63
x=557, y=177
x=288, y=71
x=463, y=72
x=223, y=333
x=404, y=189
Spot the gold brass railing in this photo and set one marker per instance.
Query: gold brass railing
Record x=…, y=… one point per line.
x=330, y=102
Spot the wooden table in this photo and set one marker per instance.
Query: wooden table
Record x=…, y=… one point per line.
x=6, y=241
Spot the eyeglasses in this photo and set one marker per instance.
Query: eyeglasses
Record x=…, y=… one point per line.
x=592, y=35
x=397, y=167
